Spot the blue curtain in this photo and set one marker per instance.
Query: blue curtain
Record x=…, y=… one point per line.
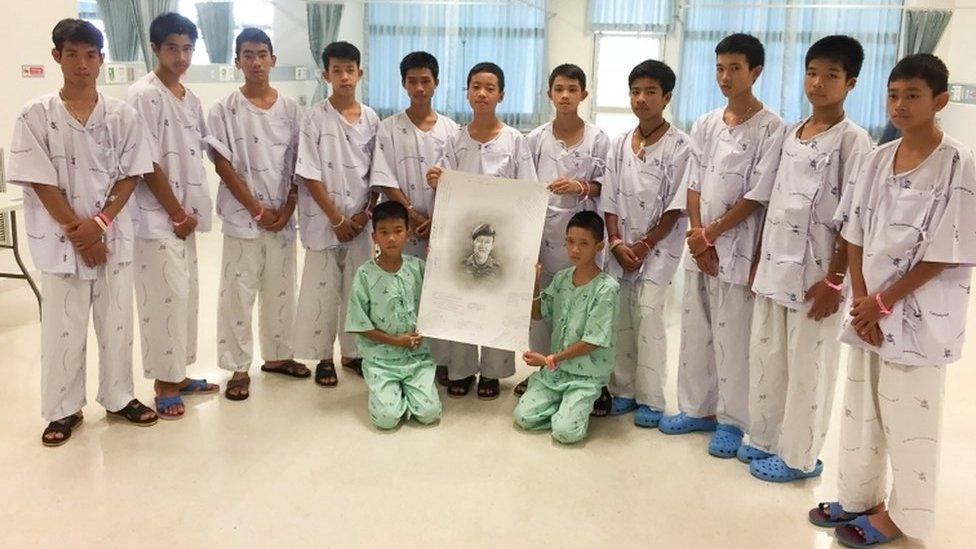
x=787, y=32
x=511, y=35
x=630, y=15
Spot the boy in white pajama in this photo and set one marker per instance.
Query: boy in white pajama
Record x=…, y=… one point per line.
x=735, y=154
x=569, y=155
x=335, y=150
x=78, y=155
x=490, y=147
x=793, y=355
x=642, y=201
x=171, y=204
x=407, y=145
x=912, y=246
x=253, y=143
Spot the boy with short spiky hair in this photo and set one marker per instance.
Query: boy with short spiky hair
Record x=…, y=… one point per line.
x=335, y=150
x=78, y=155
x=911, y=241
x=802, y=261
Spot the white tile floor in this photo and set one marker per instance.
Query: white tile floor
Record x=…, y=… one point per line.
x=297, y=465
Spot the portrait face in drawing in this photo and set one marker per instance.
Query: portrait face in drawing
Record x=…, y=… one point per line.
x=480, y=264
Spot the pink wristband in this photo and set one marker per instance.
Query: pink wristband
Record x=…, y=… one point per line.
x=833, y=286
x=105, y=219
x=884, y=310
x=260, y=214
x=186, y=217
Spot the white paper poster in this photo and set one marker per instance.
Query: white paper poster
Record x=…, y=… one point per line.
x=484, y=245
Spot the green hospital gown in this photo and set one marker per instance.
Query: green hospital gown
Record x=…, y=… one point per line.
x=399, y=379
x=562, y=399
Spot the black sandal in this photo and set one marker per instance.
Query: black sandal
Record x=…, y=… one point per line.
x=602, y=406
x=325, y=374
x=290, y=368
x=241, y=389
x=63, y=426
x=355, y=365
x=133, y=413
x=459, y=387
x=442, y=378
x=520, y=389
x=488, y=388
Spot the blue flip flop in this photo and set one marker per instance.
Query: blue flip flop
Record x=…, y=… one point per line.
x=748, y=453
x=726, y=441
x=774, y=469
x=163, y=403
x=622, y=405
x=682, y=423
x=645, y=416
x=199, y=387
x=829, y=514
x=847, y=533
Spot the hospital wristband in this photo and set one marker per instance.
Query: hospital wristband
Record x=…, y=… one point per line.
x=104, y=217
x=551, y=362
x=339, y=224
x=101, y=224
x=259, y=215
x=705, y=238
x=833, y=286
x=186, y=217
x=641, y=241
x=881, y=306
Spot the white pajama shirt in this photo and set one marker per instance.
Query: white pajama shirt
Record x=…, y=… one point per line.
x=261, y=145
x=639, y=188
x=893, y=395
x=584, y=161
x=793, y=359
x=84, y=162
x=728, y=164
x=166, y=274
x=507, y=156
x=338, y=154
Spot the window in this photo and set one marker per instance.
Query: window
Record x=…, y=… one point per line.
x=616, y=55
x=88, y=10
x=459, y=34
x=247, y=13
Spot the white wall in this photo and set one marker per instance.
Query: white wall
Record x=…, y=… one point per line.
x=955, y=48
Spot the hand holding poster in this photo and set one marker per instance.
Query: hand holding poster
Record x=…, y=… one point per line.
x=484, y=245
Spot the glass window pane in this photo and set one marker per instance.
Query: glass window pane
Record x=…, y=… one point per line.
x=615, y=124
x=616, y=56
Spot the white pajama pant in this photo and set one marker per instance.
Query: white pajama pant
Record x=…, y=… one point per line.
x=263, y=268
x=891, y=413
x=793, y=363
x=492, y=363
x=324, y=297
x=64, y=336
x=713, y=362
x=167, y=299
x=641, y=367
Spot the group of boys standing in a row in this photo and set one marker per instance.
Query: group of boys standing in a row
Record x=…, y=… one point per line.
x=773, y=217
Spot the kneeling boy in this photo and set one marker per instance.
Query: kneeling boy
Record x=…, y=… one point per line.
x=581, y=305
x=383, y=313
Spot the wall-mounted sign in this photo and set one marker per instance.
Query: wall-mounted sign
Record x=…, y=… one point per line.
x=32, y=71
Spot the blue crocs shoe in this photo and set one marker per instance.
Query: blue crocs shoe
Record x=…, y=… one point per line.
x=622, y=405
x=647, y=416
x=682, y=423
x=726, y=441
x=748, y=454
x=774, y=469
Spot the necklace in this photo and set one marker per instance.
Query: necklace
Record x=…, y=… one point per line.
x=645, y=137
x=70, y=110
x=832, y=124
x=746, y=115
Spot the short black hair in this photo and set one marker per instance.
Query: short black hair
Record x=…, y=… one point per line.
x=171, y=23
x=340, y=50
x=78, y=31
x=590, y=221
x=419, y=60
x=924, y=66
x=655, y=70
x=747, y=45
x=256, y=36
x=490, y=68
x=841, y=49
x=571, y=71
x=389, y=210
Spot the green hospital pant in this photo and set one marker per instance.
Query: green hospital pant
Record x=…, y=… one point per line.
x=561, y=401
x=397, y=387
